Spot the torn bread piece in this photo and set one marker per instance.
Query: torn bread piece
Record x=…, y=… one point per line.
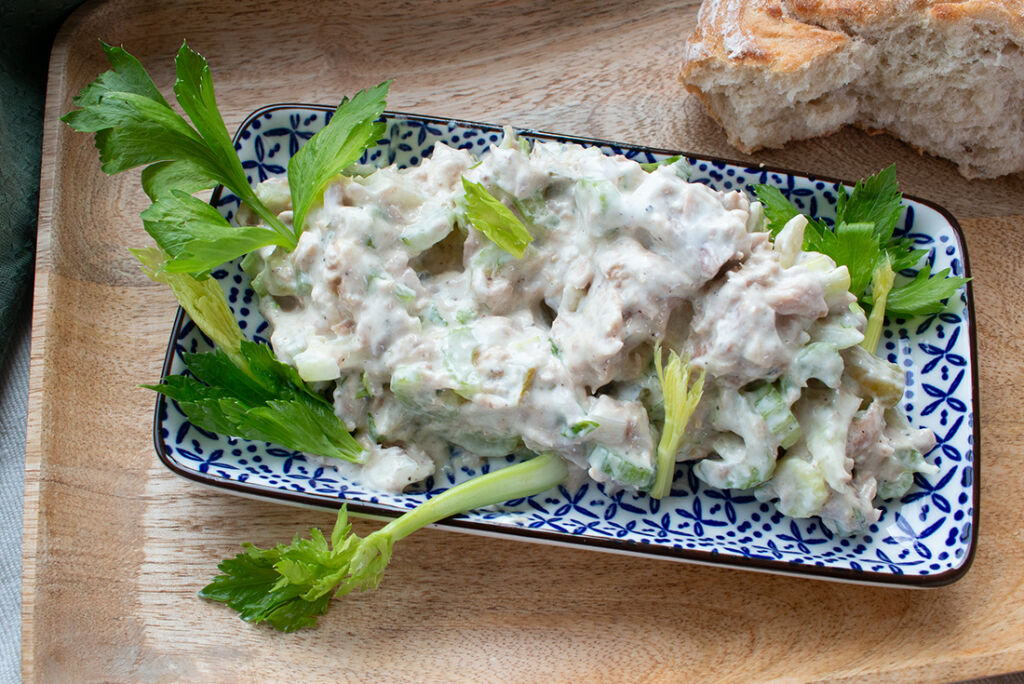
x=946, y=77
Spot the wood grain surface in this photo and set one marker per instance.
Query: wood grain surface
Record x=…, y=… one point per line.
x=116, y=546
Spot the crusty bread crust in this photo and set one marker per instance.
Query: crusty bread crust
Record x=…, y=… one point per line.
x=947, y=77
x=756, y=33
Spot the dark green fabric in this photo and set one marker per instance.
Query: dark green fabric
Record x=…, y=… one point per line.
x=28, y=29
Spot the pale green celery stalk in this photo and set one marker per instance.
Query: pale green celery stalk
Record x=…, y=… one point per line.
x=881, y=284
x=204, y=301
x=290, y=585
x=680, y=401
x=523, y=479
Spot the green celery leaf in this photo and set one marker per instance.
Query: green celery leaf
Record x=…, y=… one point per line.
x=334, y=148
x=842, y=197
x=197, y=401
x=902, y=253
x=219, y=373
x=492, y=218
x=197, y=237
x=128, y=75
x=863, y=241
x=304, y=425
x=194, y=90
x=854, y=246
x=272, y=373
x=141, y=131
x=777, y=209
x=925, y=294
x=262, y=399
x=289, y=586
x=249, y=585
x=135, y=126
x=162, y=177
x=876, y=200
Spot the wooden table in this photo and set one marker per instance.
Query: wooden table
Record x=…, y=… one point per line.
x=116, y=546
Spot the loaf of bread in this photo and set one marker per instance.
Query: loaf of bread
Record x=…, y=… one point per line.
x=946, y=77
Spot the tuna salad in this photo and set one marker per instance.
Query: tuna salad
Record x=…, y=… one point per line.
x=433, y=338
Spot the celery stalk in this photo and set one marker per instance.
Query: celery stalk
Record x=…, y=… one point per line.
x=289, y=586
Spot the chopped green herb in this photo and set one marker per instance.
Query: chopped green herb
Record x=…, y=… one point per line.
x=580, y=429
x=651, y=166
x=367, y=390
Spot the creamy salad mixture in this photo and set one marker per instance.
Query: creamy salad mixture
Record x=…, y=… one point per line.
x=430, y=335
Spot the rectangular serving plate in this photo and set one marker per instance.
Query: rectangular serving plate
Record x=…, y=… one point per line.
x=925, y=539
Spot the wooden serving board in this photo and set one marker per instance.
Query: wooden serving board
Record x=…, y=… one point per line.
x=116, y=546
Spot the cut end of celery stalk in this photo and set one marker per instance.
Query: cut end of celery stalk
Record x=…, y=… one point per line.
x=882, y=281
x=681, y=400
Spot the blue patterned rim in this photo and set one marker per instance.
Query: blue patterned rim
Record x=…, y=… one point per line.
x=927, y=540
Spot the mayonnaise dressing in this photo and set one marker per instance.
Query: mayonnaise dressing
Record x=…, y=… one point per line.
x=430, y=336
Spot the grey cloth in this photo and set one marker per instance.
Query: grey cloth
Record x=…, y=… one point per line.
x=13, y=409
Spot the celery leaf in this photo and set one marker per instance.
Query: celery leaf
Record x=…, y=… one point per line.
x=135, y=126
x=335, y=147
x=492, y=218
x=268, y=403
x=289, y=586
x=924, y=294
x=196, y=236
x=863, y=241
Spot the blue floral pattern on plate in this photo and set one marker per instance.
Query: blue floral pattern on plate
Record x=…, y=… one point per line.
x=926, y=538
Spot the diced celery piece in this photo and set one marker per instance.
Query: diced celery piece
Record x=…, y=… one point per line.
x=598, y=198
x=429, y=230
x=458, y=350
x=800, y=487
x=275, y=275
x=911, y=461
x=896, y=488
x=434, y=316
x=819, y=360
x=580, y=429
x=404, y=293
x=875, y=376
x=314, y=365
x=488, y=446
x=253, y=264
x=620, y=468
x=275, y=194
x=841, y=329
x=767, y=401
x=836, y=278
x=736, y=467
x=406, y=382
x=490, y=258
x=789, y=241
